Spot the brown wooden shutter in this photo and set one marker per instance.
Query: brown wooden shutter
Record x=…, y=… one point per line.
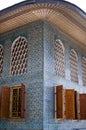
x=70, y=104
x=59, y=112
x=22, y=98
x=82, y=98
x=5, y=102
x=76, y=105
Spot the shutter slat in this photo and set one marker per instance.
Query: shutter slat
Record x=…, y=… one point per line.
x=59, y=102
x=82, y=98
x=70, y=104
x=76, y=105
x=22, y=98
x=5, y=102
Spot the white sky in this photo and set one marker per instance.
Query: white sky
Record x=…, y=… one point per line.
x=7, y=3
x=80, y=3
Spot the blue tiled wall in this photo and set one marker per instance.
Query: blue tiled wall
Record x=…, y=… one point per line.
x=40, y=79
x=51, y=79
x=33, y=79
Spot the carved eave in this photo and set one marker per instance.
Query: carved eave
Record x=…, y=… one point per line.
x=69, y=20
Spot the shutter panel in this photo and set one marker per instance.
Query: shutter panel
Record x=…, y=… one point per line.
x=70, y=106
x=59, y=111
x=5, y=102
x=76, y=105
x=22, y=99
x=82, y=98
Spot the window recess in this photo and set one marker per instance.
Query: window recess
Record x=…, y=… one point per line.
x=66, y=103
x=82, y=104
x=13, y=102
x=70, y=104
x=59, y=102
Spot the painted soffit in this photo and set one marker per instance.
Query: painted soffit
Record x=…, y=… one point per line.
x=70, y=21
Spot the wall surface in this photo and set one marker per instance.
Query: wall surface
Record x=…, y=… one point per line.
x=51, y=79
x=40, y=79
x=33, y=79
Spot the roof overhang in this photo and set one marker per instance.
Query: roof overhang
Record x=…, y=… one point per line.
x=69, y=19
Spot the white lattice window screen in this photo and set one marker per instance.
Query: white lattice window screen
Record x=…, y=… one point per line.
x=59, y=59
x=73, y=66
x=1, y=59
x=19, y=56
x=84, y=71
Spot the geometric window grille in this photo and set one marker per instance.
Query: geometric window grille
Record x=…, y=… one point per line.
x=15, y=110
x=19, y=56
x=73, y=66
x=84, y=71
x=59, y=58
x=1, y=59
x=17, y=99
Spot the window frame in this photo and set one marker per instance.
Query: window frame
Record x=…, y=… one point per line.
x=59, y=69
x=11, y=100
x=75, y=70
x=7, y=93
x=83, y=71
x=12, y=47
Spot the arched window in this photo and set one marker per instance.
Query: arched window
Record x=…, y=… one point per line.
x=59, y=58
x=84, y=71
x=73, y=66
x=1, y=59
x=19, y=56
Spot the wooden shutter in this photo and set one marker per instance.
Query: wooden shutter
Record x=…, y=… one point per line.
x=82, y=98
x=22, y=98
x=70, y=104
x=76, y=105
x=59, y=108
x=5, y=102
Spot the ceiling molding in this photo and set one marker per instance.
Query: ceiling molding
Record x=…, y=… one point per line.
x=68, y=20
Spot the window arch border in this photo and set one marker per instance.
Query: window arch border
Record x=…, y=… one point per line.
x=74, y=53
x=83, y=58
x=12, y=46
x=13, y=43
x=76, y=56
x=58, y=41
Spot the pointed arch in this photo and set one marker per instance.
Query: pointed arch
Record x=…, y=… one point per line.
x=19, y=56
x=59, y=58
x=73, y=66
